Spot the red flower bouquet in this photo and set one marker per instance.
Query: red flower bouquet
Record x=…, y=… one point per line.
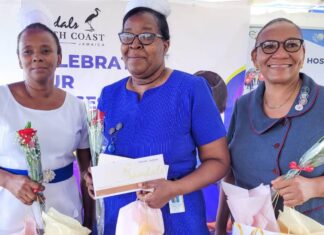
x=28, y=141
x=95, y=120
x=29, y=144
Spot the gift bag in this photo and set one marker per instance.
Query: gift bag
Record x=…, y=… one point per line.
x=291, y=221
x=59, y=224
x=242, y=229
x=30, y=226
x=137, y=218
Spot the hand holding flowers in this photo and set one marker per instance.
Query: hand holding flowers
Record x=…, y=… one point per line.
x=23, y=188
x=28, y=141
x=296, y=189
x=29, y=144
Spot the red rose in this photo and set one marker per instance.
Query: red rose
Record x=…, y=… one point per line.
x=27, y=134
x=99, y=117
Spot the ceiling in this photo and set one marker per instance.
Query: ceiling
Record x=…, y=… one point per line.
x=257, y=6
x=289, y=6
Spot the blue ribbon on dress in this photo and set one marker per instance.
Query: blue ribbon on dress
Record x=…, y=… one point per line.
x=61, y=174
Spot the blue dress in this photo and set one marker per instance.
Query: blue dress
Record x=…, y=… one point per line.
x=172, y=119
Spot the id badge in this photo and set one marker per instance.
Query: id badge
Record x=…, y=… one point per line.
x=176, y=205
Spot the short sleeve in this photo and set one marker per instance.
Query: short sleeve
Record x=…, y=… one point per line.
x=207, y=124
x=100, y=100
x=84, y=137
x=231, y=128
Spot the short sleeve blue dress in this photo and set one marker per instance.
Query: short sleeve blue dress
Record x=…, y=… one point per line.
x=172, y=119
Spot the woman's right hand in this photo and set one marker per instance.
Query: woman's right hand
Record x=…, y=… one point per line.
x=87, y=177
x=23, y=188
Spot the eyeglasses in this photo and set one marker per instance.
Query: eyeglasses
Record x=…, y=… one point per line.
x=290, y=45
x=144, y=38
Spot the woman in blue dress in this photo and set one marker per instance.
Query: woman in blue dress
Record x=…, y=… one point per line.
x=157, y=110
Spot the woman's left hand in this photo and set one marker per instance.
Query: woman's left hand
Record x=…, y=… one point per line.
x=295, y=191
x=87, y=177
x=163, y=191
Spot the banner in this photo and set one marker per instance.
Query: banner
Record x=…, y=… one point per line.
x=200, y=40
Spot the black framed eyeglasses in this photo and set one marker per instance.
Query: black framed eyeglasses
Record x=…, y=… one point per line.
x=290, y=45
x=144, y=38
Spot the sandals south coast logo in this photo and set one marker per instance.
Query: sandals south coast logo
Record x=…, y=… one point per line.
x=80, y=32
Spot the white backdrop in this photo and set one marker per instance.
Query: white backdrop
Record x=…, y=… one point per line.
x=203, y=37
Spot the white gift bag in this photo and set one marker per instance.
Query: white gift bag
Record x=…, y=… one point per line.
x=242, y=229
x=60, y=224
x=137, y=218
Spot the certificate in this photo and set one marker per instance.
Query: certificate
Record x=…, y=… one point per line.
x=117, y=175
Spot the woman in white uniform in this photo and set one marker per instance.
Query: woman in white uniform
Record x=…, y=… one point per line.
x=60, y=121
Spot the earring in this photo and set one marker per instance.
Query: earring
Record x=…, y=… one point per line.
x=113, y=135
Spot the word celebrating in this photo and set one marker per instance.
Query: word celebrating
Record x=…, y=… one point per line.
x=315, y=60
x=89, y=62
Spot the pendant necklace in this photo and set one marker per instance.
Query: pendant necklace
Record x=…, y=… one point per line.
x=282, y=104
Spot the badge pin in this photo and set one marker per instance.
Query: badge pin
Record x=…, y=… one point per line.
x=299, y=107
x=303, y=101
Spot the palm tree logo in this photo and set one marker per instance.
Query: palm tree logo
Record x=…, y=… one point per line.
x=90, y=18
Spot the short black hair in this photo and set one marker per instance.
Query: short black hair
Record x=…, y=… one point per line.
x=161, y=20
x=44, y=28
x=276, y=21
x=218, y=87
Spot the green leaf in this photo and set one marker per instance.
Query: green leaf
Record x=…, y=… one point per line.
x=28, y=125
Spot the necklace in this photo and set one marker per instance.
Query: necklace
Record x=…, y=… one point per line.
x=284, y=103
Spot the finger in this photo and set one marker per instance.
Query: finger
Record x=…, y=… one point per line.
x=34, y=184
x=149, y=190
x=85, y=176
x=22, y=199
x=31, y=196
x=292, y=203
x=90, y=187
x=142, y=196
x=280, y=183
x=38, y=188
x=27, y=199
x=276, y=180
x=88, y=177
x=143, y=185
x=91, y=194
x=288, y=196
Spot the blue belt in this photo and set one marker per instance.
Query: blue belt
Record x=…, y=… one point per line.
x=61, y=174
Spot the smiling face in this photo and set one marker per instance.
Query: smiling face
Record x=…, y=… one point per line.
x=143, y=61
x=281, y=66
x=38, y=55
